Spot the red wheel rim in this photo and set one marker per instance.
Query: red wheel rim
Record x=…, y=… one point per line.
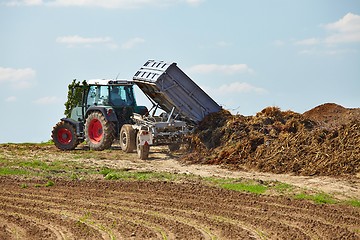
x=95, y=131
x=64, y=136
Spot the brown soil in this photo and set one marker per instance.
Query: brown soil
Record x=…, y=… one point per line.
x=289, y=143
x=161, y=160
x=162, y=210
x=331, y=115
x=324, y=141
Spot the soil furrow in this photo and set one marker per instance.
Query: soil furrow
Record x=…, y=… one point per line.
x=157, y=210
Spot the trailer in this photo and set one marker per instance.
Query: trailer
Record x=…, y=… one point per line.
x=184, y=104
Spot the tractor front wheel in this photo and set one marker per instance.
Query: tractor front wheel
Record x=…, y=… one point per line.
x=64, y=136
x=127, y=138
x=99, y=133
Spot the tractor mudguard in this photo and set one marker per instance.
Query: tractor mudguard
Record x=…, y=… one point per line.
x=78, y=125
x=108, y=113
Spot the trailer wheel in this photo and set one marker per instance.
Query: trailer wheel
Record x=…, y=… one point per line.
x=127, y=138
x=64, y=136
x=142, y=150
x=174, y=147
x=99, y=133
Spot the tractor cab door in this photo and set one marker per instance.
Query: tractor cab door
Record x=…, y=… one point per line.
x=77, y=113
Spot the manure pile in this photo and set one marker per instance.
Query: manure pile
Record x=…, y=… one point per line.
x=322, y=141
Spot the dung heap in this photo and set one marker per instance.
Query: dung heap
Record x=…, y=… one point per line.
x=318, y=142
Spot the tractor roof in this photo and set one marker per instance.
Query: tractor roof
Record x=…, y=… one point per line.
x=110, y=82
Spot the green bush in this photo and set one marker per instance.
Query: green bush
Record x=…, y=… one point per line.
x=74, y=97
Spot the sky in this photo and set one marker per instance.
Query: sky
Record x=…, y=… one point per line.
x=246, y=54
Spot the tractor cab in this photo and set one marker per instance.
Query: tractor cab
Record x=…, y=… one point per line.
x=110, y=93
x=107, y=95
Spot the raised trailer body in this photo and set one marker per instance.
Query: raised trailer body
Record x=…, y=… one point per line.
x=173, y=91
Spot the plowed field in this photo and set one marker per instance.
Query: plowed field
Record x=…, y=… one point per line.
x=101, y=209
x=291, y=178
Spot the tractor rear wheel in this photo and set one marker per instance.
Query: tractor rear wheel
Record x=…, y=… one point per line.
x=64, y=136
x=99, y=133
x=142, y=150
x=127, y=138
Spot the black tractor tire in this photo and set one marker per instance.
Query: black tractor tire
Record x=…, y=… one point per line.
x=99, y=133
x=64, y=136
x=127, y=138
x=174, y=147
x=142, y=150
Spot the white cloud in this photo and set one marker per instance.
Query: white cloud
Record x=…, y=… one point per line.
x=308, y=41
x=110, y=3
x=13, y=74
x=240, y=87
x=217, y=68
x=349, y=23
x=233, y=89
x=326, y=52
x=223, y=44
x=24, y=3
x=75, y=39
x=194, y=2
x=19, y=78
x=11, y=99
x=131, y=43
x=345, y=30
x=125, y=4
x=343, y=38
x=279, y=43
x=307, y=52
x=339, y=51
x=48, y=100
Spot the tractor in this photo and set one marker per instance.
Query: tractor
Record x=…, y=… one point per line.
x=101, y=115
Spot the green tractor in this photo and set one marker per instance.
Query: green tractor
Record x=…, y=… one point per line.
x=98, y=112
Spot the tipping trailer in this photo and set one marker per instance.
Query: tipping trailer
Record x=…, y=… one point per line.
x=105, y=110
x=184, y=102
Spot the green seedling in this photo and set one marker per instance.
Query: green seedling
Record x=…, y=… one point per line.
x=319, y=198
x=245, y=187
x=49, y=184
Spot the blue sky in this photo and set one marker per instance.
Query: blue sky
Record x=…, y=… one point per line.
x=247, y=55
